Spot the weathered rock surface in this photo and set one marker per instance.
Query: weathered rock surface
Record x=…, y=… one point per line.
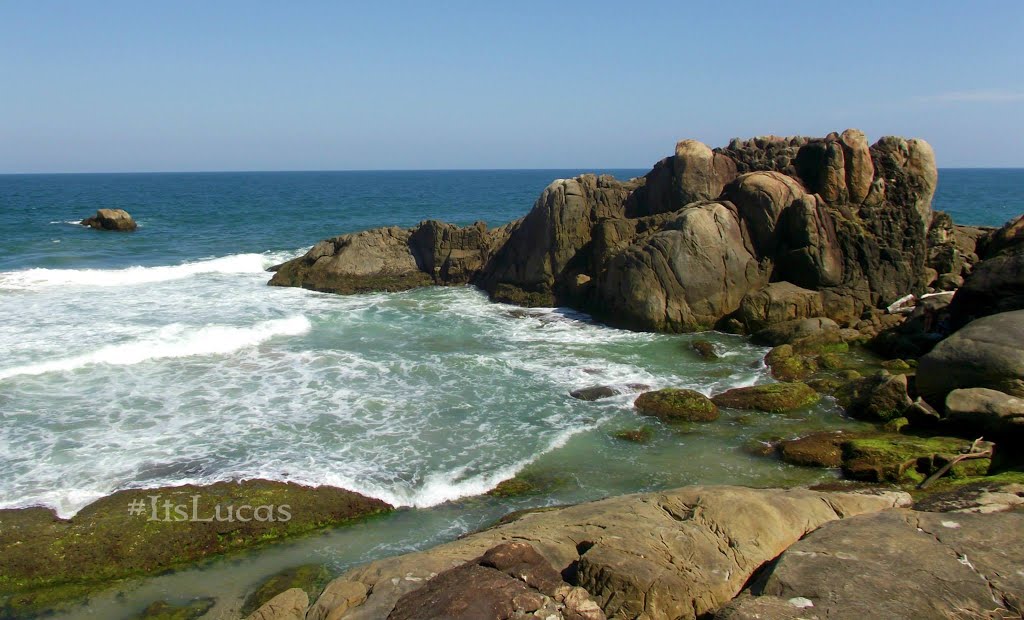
x=111, y=219
x=392, y=259
x=509, y=582
x=987, y=353
x=288, y=605
x=878, y=398
x=765, y=230
x=903, y=564
x=677, y=554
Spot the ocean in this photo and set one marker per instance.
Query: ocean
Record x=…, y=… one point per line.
x=160, y=357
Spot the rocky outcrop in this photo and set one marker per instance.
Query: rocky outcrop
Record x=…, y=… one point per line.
x=996, y=284
x=761, y=231
x=392, y=259
x=676, y=554
x=111, y=219
x=987, y=353
x=770, y=397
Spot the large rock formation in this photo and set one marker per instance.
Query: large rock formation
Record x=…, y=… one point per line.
x=706, y=236
x=676, y=554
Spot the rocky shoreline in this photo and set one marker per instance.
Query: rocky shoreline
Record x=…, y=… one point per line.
x=825, y=250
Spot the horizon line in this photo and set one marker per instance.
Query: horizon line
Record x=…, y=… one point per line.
x=322, y=170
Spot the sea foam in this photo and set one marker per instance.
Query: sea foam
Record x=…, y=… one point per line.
x=172, y=341
x=44, y=278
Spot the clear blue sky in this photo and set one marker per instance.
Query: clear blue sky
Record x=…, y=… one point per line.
x=217, y=85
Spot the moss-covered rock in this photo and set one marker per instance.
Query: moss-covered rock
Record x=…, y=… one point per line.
x=902, y=458
x=878, y=398
x=897, y=366
x=771, y=397
x=162, y=610
x=45, y=560
x=786, y=365
x=704, y=349
x=826, y=385
x=310, y=578
x=526, y=483
x=822, y=449
x=677, y=405
x=895, y=425
x=831, y=361
x=644, y=434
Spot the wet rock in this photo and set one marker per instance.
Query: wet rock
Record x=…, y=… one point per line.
x=790, y=331
x=822, y=449
x=787, y=365
x=677, y=405
x=771, y=397
x=636, y=435
x=162, y=610
x=779, y=302
x=597, y=392
x=704, y=349
x=111, y=219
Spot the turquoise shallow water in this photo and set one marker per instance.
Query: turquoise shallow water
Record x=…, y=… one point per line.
x=161, y=357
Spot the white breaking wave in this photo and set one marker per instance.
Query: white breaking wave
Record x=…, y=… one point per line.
x=175, y=340
x=44, y=278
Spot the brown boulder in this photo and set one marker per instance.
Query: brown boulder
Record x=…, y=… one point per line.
x=111, y=219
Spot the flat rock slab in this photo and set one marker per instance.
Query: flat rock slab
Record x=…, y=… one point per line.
x=676, y=554
x=905, y=564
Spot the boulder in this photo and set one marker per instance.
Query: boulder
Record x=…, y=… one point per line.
x=705, y=349
x=994, y=285
x=787, y=365
x=770, y=397
x=676, y=405
x=821, y=449
x=878, y=398
x=904, y=564
x=685, y=277
x=699, y=172
x=509, y=581
x=111, y=219
x=988, y=353
x=985, y=411
x=1009, y=237
x=779, y=302
x=787, y=332
x=288, y=605
x=900, y=458
x=655, y=555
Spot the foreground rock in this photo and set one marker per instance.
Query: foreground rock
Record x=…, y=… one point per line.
x=111, y=219
x=765, y=230
x=288, y=605
x=510, y=581
x=677, y=554
x=898, y=564
x=44, y=559
x=982, y=410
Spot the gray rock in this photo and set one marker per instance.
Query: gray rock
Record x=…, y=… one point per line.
x=982, y=410
x=905, y=564
x=789, y=331
x=597, y=392
x=988, y=352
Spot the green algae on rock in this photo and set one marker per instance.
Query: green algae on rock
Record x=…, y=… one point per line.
x=673, y=404
x=162, y=610
x=637, y=435
x=770, y=397
x=906, y=459
x=45, y=560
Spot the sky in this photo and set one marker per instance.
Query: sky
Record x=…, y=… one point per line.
x=183, y=86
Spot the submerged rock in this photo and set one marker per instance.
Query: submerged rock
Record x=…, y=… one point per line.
x=162, y=610
x=310, y=578
x=597, y=392
x=705, y=349
x=770, y=397
x=288, y=605
x=676, y=405
x=637, y=435
x=111, y=219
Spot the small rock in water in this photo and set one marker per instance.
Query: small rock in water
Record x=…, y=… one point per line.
x=597, y=392
x=111, y=219
x=705, y=349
